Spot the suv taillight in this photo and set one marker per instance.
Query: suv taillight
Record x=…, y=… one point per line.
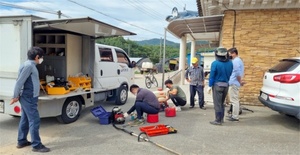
x=287, y=78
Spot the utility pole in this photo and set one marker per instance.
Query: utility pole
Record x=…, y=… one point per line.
x=160, y=46
x=59, y=14
x=129, y=50
x=164, y=57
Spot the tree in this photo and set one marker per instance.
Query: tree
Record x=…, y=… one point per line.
x=136, y=50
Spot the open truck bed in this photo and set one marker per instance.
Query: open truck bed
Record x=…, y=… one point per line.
x=70, y=49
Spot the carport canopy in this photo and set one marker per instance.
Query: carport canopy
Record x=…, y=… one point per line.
x=86, y=26
x=198, y=28
x=206, y=28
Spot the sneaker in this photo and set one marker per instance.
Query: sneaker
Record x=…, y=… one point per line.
x=232, y=119
x=19, y=146
x=138, y=122
x=178, y=108
x=42, y=148
x=191, y=106
x=215, y=123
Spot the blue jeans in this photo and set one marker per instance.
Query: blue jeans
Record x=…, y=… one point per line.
x=29, y=122
x=142, y=107
x=199, y=90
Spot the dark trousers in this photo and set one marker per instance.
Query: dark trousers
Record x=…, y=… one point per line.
x=178, y=101
x=142, y=107
x=199, y=90
x=219, y=95
x=29, y=122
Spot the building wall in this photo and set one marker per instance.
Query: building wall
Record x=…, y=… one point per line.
x=262, y=37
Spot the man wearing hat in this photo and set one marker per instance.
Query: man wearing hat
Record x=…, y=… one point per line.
x=220, y=73
x=195, y=76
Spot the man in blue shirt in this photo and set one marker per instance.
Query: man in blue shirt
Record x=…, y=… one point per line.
x=220, y=72
x=235, y=83
x=195, y=76
x=26, y=91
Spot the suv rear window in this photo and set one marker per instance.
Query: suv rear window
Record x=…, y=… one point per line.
x=284, y=66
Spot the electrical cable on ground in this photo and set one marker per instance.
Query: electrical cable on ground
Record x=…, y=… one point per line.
x=140, y=138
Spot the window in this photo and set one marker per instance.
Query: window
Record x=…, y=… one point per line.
x=122, y=58
x=284, y=66
x=106, y=54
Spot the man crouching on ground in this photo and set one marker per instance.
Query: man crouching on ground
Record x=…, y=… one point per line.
x=176, y=94
x=145, y=101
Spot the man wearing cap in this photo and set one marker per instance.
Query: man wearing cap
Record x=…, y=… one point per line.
x=195, y=76
x=220, y=73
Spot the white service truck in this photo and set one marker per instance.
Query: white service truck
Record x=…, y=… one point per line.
x=70, y=49
x=208, y=58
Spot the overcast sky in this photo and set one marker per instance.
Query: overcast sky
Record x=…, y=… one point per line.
x=146, y=18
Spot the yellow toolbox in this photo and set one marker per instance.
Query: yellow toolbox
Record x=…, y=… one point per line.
x=83, y=82
x=57, y=90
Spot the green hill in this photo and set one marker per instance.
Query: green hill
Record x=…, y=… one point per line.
x=157, y=41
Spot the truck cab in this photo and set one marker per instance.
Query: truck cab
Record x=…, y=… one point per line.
x=113, y=71
x=119, y=70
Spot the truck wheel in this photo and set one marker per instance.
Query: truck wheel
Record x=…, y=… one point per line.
x=70, y=110
x=122, y=95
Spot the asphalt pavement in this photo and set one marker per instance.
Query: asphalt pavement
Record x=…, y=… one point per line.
x=262, y=132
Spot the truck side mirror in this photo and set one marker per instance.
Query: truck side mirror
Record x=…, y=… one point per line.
x=133, y=64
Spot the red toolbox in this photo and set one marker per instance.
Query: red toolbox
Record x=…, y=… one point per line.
x=155, y=130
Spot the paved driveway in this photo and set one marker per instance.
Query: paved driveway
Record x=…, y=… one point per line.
x=261, y=132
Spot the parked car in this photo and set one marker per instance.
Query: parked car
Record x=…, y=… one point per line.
x=281, y=87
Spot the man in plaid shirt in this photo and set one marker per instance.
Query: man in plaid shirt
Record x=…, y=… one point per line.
x=195, y=76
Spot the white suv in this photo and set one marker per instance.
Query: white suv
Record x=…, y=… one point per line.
x=281, y=87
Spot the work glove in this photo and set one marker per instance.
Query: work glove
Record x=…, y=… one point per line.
x=208, y=90
x=125, y=114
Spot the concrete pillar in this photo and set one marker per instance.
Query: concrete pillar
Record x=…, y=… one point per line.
x=193, y=51
x=182, y=58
